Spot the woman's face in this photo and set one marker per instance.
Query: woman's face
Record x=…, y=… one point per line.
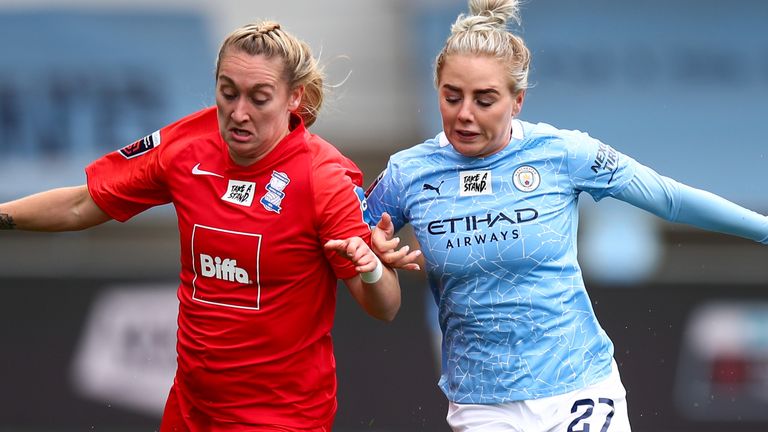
x=476, y=104
x=254, y=104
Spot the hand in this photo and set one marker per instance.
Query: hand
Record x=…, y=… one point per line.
x=384, y=244
x=356, y=250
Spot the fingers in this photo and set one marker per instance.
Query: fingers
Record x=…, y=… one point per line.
x=385, y=223
x=338, y=246
x=383, y=246
x=355, y=250
x=382, y=233
x=346, y=248
x=410, y=261
x=404, y=258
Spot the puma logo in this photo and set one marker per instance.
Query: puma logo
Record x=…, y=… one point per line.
x=428, y=186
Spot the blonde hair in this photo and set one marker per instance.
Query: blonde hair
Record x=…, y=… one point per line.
x=484, y=33
x=300, y=67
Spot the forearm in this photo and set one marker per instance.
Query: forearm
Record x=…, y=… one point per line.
x=63, y=209
x=680, y=203
x=380, y=299
x=375, y=287
x=709, y=211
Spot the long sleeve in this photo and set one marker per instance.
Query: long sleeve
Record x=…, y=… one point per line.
x=677, y=202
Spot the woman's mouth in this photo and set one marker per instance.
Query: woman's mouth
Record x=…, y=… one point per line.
x=240, y=134
x=466, y=135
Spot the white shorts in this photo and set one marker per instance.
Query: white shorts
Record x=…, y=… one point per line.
x=601, y=407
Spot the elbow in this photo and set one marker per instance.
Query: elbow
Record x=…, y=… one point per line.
x=386, y=314
x=390, y=315
x=387, y=317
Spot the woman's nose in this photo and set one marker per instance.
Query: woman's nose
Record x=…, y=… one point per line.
x=240, y=111
x=465, y=112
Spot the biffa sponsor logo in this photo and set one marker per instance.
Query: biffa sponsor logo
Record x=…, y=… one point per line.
x=222, y=269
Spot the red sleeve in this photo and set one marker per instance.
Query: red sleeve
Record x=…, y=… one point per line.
x=128, y=181
x=338, y=195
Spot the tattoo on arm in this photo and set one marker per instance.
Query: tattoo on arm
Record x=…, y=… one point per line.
x=6, y=222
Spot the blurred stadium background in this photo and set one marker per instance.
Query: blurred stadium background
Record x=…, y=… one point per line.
x=87, y=320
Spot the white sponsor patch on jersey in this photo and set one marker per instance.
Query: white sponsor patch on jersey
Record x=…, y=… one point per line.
x=239, y=192
x=226, y=267
x=472, y=183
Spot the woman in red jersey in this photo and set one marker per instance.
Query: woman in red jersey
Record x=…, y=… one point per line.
x=270, y=217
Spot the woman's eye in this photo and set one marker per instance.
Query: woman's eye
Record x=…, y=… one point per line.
x=484, y=103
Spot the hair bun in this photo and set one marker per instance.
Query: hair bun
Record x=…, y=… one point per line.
x=268, y=26
x=495, y=12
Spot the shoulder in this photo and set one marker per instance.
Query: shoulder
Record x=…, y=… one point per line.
x=177, y=136
x=170, y=138
x=327, y=161
x=552, y=138
x=203, y=122
x=431, y=152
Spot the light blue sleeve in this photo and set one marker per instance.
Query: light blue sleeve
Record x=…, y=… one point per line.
x=595, y=167
x=677, y=202
x=384, y=195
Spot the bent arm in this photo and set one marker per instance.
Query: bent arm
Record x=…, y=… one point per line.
x=376, y=287
x=677, y=202
x=63, y=209
x=381, y=299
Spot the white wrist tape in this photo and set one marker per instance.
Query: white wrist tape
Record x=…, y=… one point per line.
x=374, y=275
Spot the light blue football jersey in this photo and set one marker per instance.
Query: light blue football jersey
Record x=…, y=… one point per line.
x=498, y=236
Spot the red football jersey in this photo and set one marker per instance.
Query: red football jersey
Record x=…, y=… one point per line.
x=258, y=293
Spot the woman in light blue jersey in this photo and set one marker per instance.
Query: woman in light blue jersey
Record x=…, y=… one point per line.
x=493, y=203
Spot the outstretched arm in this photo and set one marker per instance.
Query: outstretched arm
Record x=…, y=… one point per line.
x=376, y=287
x=384, y=243
x=63, y=209
x=677, y=202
